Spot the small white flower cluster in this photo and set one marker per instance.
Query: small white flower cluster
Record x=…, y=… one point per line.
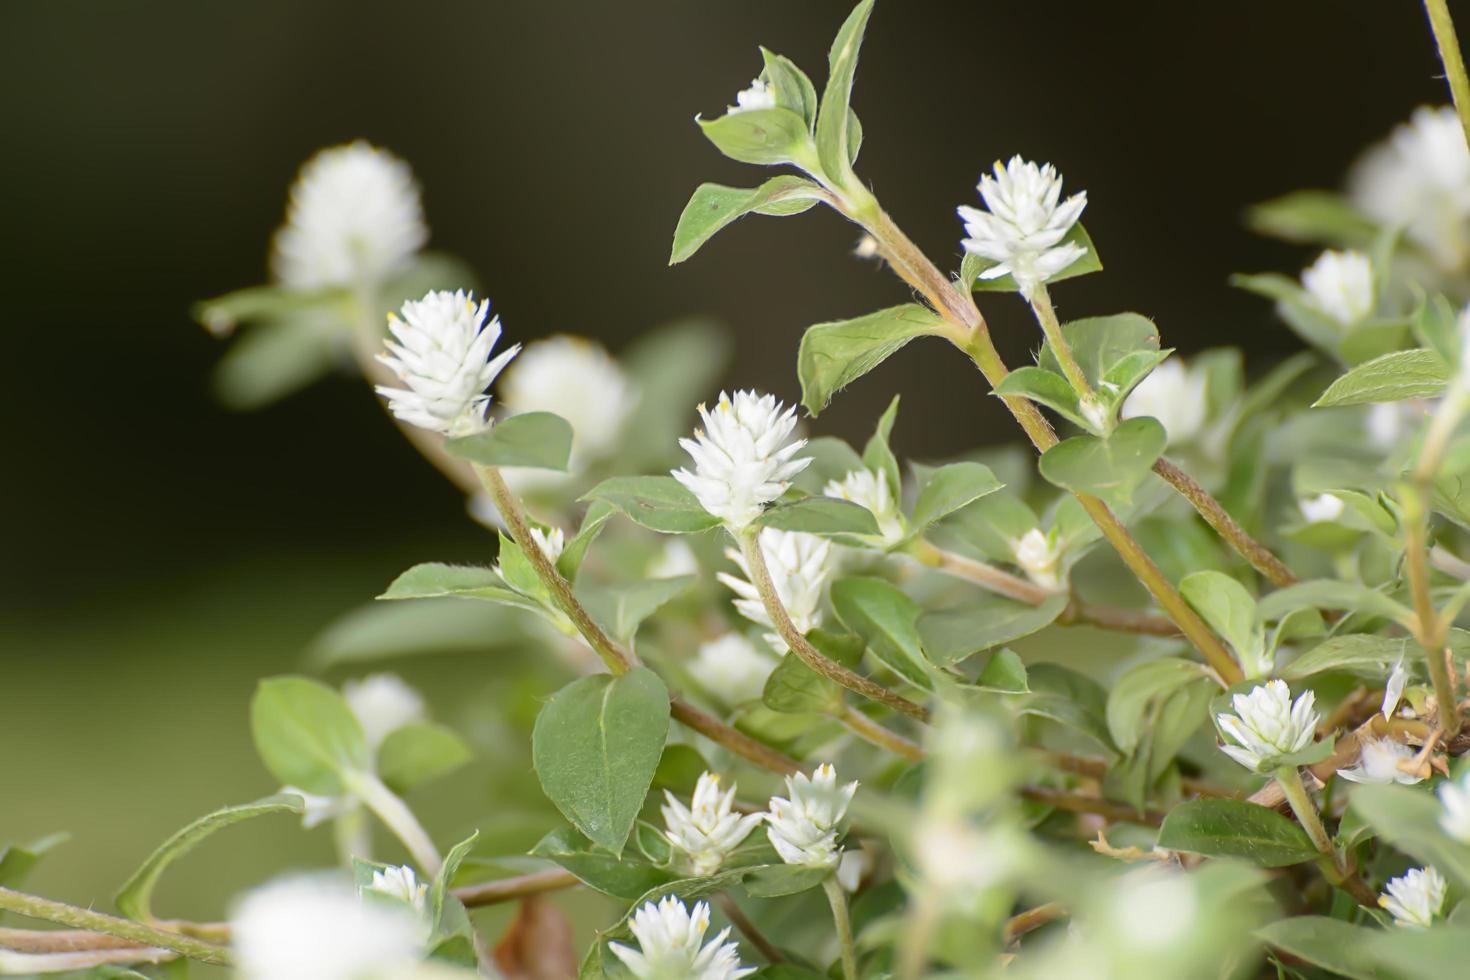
x=744, y=458
x=800, y=565
x=732, y=669
x=705, y=832
x=1378, y=762
x=551, y=542
x=1174, y=395
x=1039, y=557
x=802, y=826
x=1340, y=285
x=1415, y=897
x=1268, y=725
x=1023, y=230
x=759, y=95
x=870, y=489
x=399, y=883
x=671, y=945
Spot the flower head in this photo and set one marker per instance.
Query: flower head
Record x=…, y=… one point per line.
x=1321, y=509
x=399, y=882
x=318, y=929
x=760, y=95
x=1340, y=284
x=1267, y=725
x=732, y=669
x=803, y=825
x=669, y=939
x=1023, y=230
x=443, y=343
x=354, y=217
x=383, y=703
x=1038, y=557
x=1415, y=897
x=552, y=542
x=743, y=458
x=869, y=488
x=1378, y=762
x=706, y=831
x=1175, y=396
x=1454, y=801
x=577, y=379
x=800, y=565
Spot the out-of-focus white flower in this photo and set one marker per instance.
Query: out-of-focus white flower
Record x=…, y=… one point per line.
x=853, y=867
x=1393, y=690
x=1415, y=897
x=744, y=456
x=669, y=945
x=320, y=809
x=551, y=542
x=1321, y=509
x=759, y=95
x=1268, y=725
x=1454, y=801
x=1420, y=178
x=354, y=216
x=800, y=565
x=1340, y=284
x=959, y=858
x=1038, y=557
x=1154, y=908
x=400, y=883
x=802, y=826
x=1023, y=230
x=1175, y=396
x=674, y=560
x=732, y=669
x=441, y=354
x=1378, y=762
x=576, y=378
x=318, y=929
x=707, y=830
x=383, y=703
x=870, y=489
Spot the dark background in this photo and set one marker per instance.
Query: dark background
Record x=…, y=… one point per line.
x=148, y=147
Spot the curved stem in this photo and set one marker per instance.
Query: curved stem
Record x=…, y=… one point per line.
x=840, y=919
x=870, y=731
x=1306, y=812
x=1443, y=27
x=760, y=576
x=513, y=889
x=1031, y=919
x=748, y=929
x=1215, y=515
x=732, y=738
x=35, y=907
x=398, y=818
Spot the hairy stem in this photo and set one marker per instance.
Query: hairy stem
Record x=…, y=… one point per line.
x=870, y=731
x=398, y=818
x=35, y=907
x=760, y=575
x=840, y=919
x=1259, y=556
x=1051, y=328
x=1301, y=804
x=1449, y=55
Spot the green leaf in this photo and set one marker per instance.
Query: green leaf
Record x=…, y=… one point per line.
x=306, y=734
x=1111, y=467
x=432, y=580
x=761, y=136
x=1046, y=388
x=833, y=355
x=622, y=609
x=1436, y=326
x=972, y=265
x=1138, y=689
x=1235, y=828
x=714, y=206
x=623, y=877
x=1101, y=344
x=276, y=359
x=447, y=916
x=419, y=752
x=16, y=861
x=820, y=515
x=596, y=745
x=1332, y=594
x=1229, y=609
x=794, y=688
x=1004, y=674
x=518, y=572
x=1422, y=954
x=834, y=140
x=1312, y=217
x=982, y=622
x=945, y=490
x=1409, y=820
x=1390, y=378
x=659, y=503
x=775, y=880
x=794, y=90
x=887, y=620
x=1331, y=944
x=1070, y=699
x=134, y=899
x=878, y=455
x=575, y=551
x=1359, y=654
x=539, y=440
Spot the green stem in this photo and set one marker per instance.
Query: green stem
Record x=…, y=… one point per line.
x=398, y=818
x=1215, y=515
x=1431, y=628
x=870, y=731
x=1449, y=55
x=838, y=901
x=35, y=907
x=354, y=839
x=1306, y=812
x=1051, y=328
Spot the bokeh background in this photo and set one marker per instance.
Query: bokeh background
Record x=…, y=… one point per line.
x=158, y=553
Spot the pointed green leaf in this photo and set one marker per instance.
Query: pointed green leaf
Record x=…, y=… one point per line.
x=878, y=453
x=1225, y=604
x=659, y=503
x=306, y=734
x=761, y=136
x=820, y=515
x=834, y=139
x=623, y=877
x=1111, y=467
x=1235, y=828
x=1390, y=378
x=539, y=440
x=419, y=752
x=833, y=355
x=714, y=206
x=887, y=620
x=1046, y=388
x=622, y=609
x=1336, y=946
x=794, y=90
x=982, y=622
x=945, y=490
x=433, y=580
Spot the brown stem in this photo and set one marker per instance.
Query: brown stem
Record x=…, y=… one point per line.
x=748, y=929
x=1117, y=620
x=1080, y=803
x=512, y=889
x=732, y=738
x=1031, y=919
x=870, y=731
x=1215, y=515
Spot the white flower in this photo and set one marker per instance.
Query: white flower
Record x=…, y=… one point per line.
x=1454, y=799
x=870, y=489
x=1038, y=556
x=676, y=559
x=1340, y=284
x=1378, y=762
x=318, y=929
x=706, y=831
x=732, y=669
x=669, y=939
x=803, y=825
x=1420, y=179
x=1415, y=897
x=441, y=355
x=800, y=565
x=1268, y=725
x=959, y=858
x=354, y=217
x=399, y=882
x=320, y=809
x=853, y=867
x=383, y=703
x=742, y=458
x=1393, y=690
x=1175, y=396
x=551, y=542
x=1023, y=230
x=759, y=95
x=1321, y=509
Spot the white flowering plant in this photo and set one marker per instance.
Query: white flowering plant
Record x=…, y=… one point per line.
x=1185, y=698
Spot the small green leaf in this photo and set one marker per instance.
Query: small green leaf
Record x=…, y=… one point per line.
x=1045, y=388
x=972, y=265
x=306, y=734
x=1139, y=688
x=761, y=136
x=833, y=355
x=1070, y=699
x=622, y=609
x=419, y=752
x=1336, y=946
x=794, y=90
x=447, y=916
x=1409, y=820
x=433, y=580
x=834, y=121
x=982, y=622
x=1365, y=656
x=878, y=454
x=794, y=688
x=1004, y=673
x=887, y=620
x=134, y=899
x=539, y=440
x=945, y=490
x=623, y=877
x=1390, y=378
x=714, y=206
x=1332, y=594
x=1229, y=609
x=1101, y=344
x=1235, y=828
x=596, y=745
x=278, y=358
x=820, y=515
x=1111, y=467
x=593, y=522
x=1312, y=217
x=659, y=503
x=16, y=861
x=775, y=880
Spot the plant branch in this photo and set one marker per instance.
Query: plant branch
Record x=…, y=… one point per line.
x=1081, y=803
x=1215, y=515
x=840, y=918
x=732, y=738
x=513, y=889
x=748, y=929
x=1051, y=328
x=35, y=907
x=398, y=818
x=1443, y=27
x=14, y=963
x=1032, y=919
x=870, y=731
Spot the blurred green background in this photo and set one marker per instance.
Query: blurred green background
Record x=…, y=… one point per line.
x=159, y=553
